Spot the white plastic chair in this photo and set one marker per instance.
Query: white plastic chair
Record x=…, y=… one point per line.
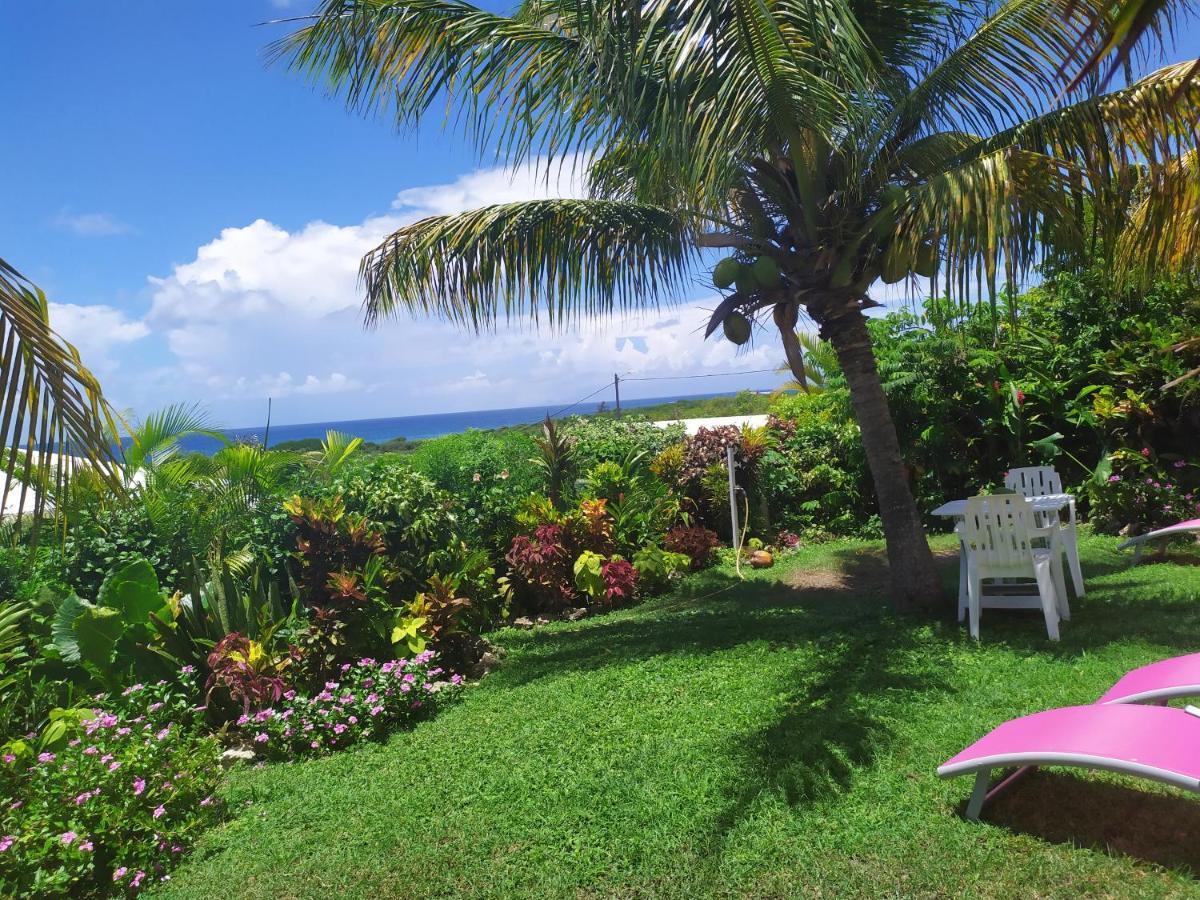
x=1000, y=537
x=1039, y=481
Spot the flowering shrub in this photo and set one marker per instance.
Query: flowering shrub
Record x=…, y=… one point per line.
x=1143, y=494
x=542, y=566
x=113, y=804
x=369, y=700
x=697, y=544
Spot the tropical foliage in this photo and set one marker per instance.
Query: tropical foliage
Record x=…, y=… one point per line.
x=825, y=147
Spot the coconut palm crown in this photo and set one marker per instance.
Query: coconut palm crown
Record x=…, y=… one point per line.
x=844, y=140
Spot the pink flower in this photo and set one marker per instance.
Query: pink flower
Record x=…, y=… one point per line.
x=315, y=744
x=86, y=847
x=7, y=841
x=91, y=751
x=416, y=704
x=188, y=670
x=262, y=737
x=353, y=720
x=207, y=801
x=67, y=837
x=45, y=757
x=1146, y=451
x=405, y=688
x=113, y=766
x=456, y=678
x=83, y=798
x=139, y=785
x=339, y=728
x=119, y=873
x=162, y=734
x=8, y=758
x=137, y=879
x=107, y=757
x=289, y=695
x=376, y=710
x=122, y=731
x=160, y=811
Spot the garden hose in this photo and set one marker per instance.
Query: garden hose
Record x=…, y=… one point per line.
x=740, y=539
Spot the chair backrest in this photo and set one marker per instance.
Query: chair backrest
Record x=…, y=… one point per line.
x=998, y=529
x=1034, y=481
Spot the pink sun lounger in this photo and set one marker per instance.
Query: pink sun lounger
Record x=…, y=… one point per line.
x=1116, y=733
x=1157, y=742
x=1139, y=543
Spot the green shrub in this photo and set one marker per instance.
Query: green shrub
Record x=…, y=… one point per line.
x=114, y=803
x=600, y=440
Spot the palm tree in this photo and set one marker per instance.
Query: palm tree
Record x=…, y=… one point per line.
x=842, y=141
x=52, y=412
x=810, y=373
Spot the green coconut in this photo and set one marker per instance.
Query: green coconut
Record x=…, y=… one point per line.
x=926, y=262
x=725, y=272
x=746, y=283
x=737, y=328
x=766, y=272
x=894, y=268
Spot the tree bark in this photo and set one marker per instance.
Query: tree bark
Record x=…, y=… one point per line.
x=915, y=582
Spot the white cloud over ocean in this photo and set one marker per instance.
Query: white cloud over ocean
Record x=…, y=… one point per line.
x=261, y=311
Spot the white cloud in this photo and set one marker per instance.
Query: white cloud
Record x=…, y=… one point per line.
x=262, y=311
x=96, y=331
x=99, y=224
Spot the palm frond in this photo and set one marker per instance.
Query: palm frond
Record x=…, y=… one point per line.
x=53, y=415
x=553, y=258
x=1006, y=70
x=156, y=438
x=1164, y=226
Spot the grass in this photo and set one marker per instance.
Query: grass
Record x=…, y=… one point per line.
x=772, y=738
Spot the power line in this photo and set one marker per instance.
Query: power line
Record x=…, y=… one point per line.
x=556, y=413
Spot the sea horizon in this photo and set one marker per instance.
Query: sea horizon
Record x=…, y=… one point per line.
x=422, y=427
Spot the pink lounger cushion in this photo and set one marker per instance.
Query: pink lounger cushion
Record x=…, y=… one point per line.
x=1158, y=742
x=1166, y=679
x=1178, y=528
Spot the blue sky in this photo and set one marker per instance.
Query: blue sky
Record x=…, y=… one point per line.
x=197, y=218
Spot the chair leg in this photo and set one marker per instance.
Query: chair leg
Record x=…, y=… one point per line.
x=1045, y=584
x=962, y=582
x=978, y=795
x=1060, y=587
x=1071, y=546
x=974, y=589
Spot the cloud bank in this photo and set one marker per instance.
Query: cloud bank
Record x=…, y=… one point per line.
x=262, y=311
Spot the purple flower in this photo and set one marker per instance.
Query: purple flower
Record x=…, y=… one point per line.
x=315, y=744
x=207, y=801
x=456, y=678
x=405, y=688
x=137, y=879
x=243, y=719
x=1114, y=478
x=188, y=669
x=113, y=766
x=162, y=734
x=261, y=738
x=9, y=758
x=91, y=751
x=119, y=873
x=7, y=841
x=353, y=720
x=86, y=847
x=139, y=785
x=339, y=728
x=376, y=710
x=45, y=757
x=67, y=837
x=160, y=811
x=122, y=731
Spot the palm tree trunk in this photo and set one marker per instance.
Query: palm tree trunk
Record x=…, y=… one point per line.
x=915, y=582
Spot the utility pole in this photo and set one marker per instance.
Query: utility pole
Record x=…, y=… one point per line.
x=617, y=391
x=267, y=432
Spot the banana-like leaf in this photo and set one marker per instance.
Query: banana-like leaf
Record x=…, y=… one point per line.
x=87, y=634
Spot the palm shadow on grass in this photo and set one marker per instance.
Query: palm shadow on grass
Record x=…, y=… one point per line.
x=1145, y=824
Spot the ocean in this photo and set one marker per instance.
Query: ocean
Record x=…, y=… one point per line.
x=416, y=427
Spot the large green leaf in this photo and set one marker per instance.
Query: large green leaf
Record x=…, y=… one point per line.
x=86, y=634
x=132, y=591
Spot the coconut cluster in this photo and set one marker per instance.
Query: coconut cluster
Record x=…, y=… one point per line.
x=747, y=278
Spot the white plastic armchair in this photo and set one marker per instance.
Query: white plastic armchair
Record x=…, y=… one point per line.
x=1001, y=538
x=1041, y=481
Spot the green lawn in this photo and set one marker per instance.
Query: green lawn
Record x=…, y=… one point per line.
x=776, y=739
